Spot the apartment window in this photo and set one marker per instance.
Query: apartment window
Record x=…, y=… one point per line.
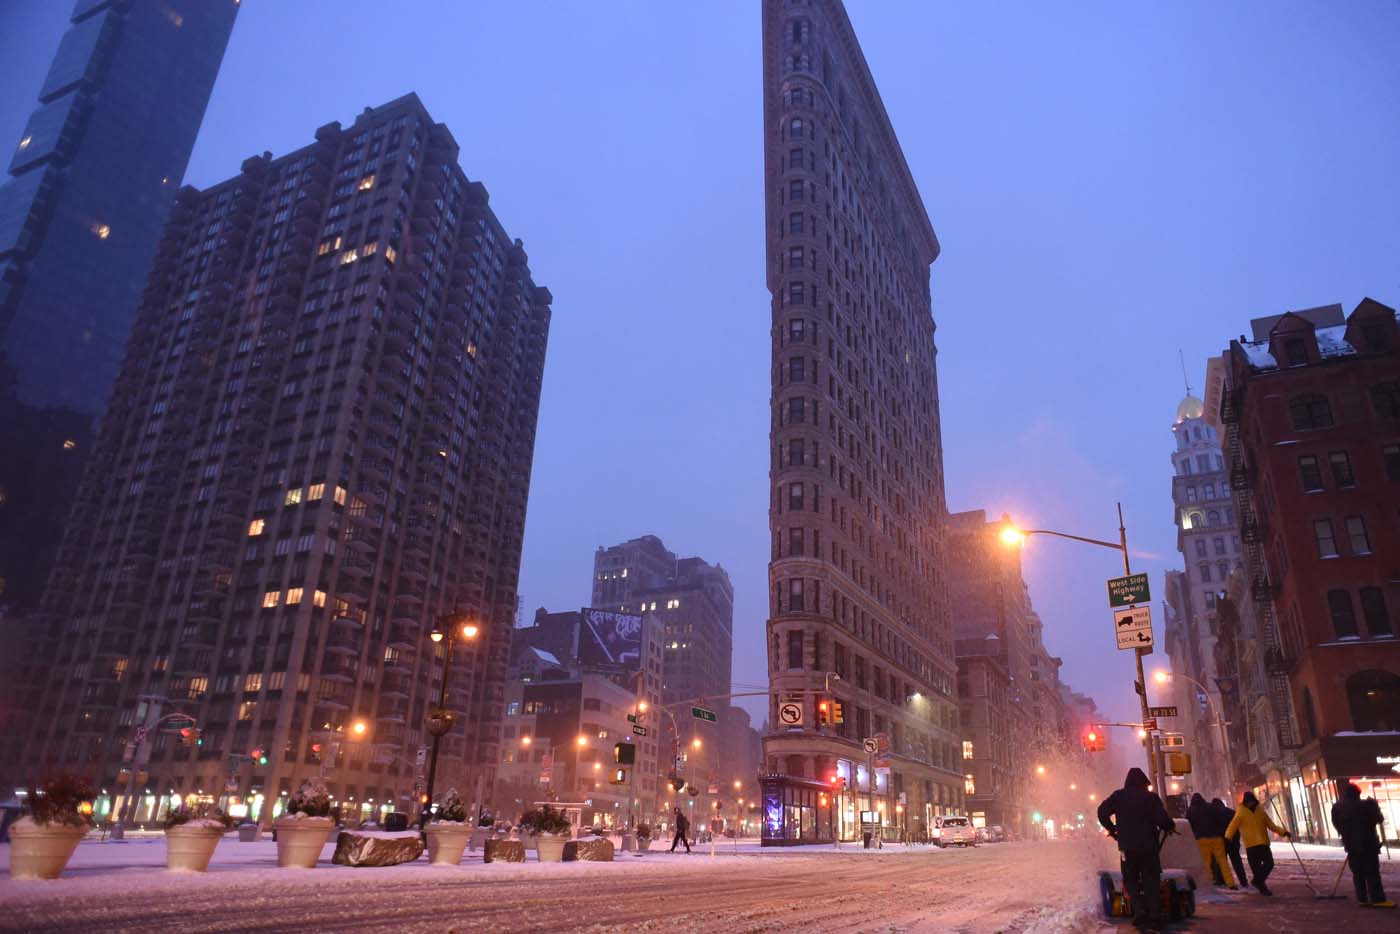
x=1341, y=469
x=1374, y=610
x=1201, y=549
x=795, y=222
x=1326, y=541
x=1203, y=570
x=795, y=497
x=796, y=331
x=797, y=370
x=1390, y=456
x=256, y=527
x=795, y=157
x=1386, y=398
x=795, y=542
x=1310, y=410
x=271, y=598
x=795, y=602
x=293, y=497
x=1310, y=473
x=795, y=190
x=1343, y=618
x=252, y=684
x=795, y=257
x=1190, y=494
x=1219, y=544
x=315, y=492
x=1356, y=536
x=967, y=749
x=796, y=452
x=293, y=596
x=794, y=648
x=797, y=410
x=797, y=293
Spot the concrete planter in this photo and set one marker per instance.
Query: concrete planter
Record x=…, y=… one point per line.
x=551, y=847
x=40, y=851
x=643, y=844
x=189, y=849
x=300, y=840
x=446, y=841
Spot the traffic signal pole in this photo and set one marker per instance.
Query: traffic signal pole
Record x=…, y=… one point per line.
x=1154, y=761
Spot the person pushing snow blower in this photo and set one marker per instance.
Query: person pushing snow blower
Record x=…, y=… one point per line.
x=1253, y=826
x=1140, y=814
x=1357, y=821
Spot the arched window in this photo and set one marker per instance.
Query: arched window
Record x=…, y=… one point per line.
x=1197, y=521
x=1374, y=698
x=1343, y=616
x=795, y=128
x=1309, y=714
x=1214, y=515
x=1310, y=410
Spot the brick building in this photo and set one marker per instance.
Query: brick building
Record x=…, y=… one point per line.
x=319, y=444
x=857, y=509
x=1313, y=415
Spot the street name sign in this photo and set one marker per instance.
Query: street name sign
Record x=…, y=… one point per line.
x=639, y=730
x=1125, y=591
x=702, y=713
x=1133, y=627
x=1162, y=711
x=790, y=714
x=631, y=718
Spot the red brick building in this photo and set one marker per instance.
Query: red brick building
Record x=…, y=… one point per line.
x=1313, y=412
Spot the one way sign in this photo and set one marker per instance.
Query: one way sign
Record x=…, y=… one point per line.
x=1133, y=627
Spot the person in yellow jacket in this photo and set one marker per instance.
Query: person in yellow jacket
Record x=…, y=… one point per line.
x=1253, y=826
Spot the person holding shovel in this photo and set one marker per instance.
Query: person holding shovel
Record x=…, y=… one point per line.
x=1358, y=822
x=1132, y=815
x=1253, y=826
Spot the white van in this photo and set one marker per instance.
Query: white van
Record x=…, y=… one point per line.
x=954, y=830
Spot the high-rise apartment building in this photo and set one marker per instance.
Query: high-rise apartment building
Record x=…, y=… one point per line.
x=318, y=448
x=90, y=184
x=857, y=509
x=1312, y=416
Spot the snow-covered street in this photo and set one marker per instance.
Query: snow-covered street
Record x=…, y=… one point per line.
x=1019, y=887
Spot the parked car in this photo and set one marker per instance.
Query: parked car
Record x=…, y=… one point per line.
x=954, y=830
x=996, y=834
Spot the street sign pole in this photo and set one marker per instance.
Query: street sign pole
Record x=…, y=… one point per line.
x=1153, y=764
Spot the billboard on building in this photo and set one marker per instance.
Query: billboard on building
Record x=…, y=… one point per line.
x=609, y=638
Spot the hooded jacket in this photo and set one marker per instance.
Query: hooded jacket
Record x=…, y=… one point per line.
x=1252, y=823
x=1357, y=820
x=1204, y=820
x=1133, y=814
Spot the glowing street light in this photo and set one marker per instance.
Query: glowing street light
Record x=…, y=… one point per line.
x=695, y=743
x=440, y=719
x=582, y=741
x=525, y=740
x=359, y=728
x=1040, y=770
x=1012, y=536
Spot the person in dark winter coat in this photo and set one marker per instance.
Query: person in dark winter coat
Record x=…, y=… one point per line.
x=1132, y=815
x=1252, y=823
x=1210, y=840
x=1358, y=821
x=1223, y=815
x=682, y=826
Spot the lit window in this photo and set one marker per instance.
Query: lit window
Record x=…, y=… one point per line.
x=319, y=598
x=967, y=749
x=69, y=444
x=390, y=253
x=253, y=683
x=256, y=526
x=348, y=257
x=969, y=785
x=369, y=249
x=315, y=492
x=293, y=497
x=340, y=496
x=367, y=182
x=294, y=596
x=103, y=231
x=24, y=143
x=272, y=598
x=471, y=350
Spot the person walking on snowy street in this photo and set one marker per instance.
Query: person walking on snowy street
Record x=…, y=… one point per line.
x=682, y=825
x=1358, y=822
x=1139, y=814
x=1253, y=826
x=1210, y=839
x=1223, y=815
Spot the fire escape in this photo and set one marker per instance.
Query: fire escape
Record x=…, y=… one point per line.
x=1277, y=661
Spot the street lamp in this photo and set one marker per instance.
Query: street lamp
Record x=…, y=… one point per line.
x=1013, y=536
x=1161, y=676
x=1040, y=770
x=440, y=719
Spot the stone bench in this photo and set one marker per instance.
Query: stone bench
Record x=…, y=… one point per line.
x=376, y=847
x=598, y=850
x=504, y=851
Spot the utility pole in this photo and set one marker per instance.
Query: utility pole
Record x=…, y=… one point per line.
x=1154, y=762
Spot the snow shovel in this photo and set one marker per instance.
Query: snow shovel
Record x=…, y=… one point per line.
x=1303, y=866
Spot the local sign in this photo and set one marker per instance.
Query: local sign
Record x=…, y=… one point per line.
x=1162, y=711
x=1133, y=627
x=702, y=713
x=1125, y=591
x=790, y=714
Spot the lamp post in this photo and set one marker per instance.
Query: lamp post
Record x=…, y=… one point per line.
x=1162, y=676
x=440, y=719
x=1013, y=536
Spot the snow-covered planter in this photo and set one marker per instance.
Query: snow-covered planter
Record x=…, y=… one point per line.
x=191, y=834
x=449, y=833
x=42, y=842
x=304, y=827
x=551, y=830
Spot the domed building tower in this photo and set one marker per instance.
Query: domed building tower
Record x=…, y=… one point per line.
x=1209, y=541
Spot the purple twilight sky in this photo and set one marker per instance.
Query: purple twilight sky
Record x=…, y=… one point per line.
x=1110, y=183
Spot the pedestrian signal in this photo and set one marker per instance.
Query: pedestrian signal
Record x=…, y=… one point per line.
x=619, y=777
x=838, y=712
x=624, y=753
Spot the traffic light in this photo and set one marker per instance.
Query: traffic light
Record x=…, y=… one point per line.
x=188, y=735
x=259, y=756
x=823, y=712
x=838, y=712
x=619, y=777
x=624, y=753
x=1093, y=741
